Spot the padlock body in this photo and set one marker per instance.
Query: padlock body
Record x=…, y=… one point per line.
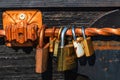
x=78, y=46
x=56, y=46
x=88, y=46
x=42, y=58
x=52, y=42
x=66, y=58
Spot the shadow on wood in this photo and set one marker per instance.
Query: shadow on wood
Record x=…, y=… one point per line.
x=48, y=74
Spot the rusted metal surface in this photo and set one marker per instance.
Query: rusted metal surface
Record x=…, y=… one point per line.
x=2, y=33
x=88, y=32
x=17, y=65
x=42, y=51
x=21, y=26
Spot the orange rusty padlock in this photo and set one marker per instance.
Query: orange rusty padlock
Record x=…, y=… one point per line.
x=21, y=26
x=42, y=53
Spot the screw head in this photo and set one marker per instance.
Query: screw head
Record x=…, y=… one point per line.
x=22, y=16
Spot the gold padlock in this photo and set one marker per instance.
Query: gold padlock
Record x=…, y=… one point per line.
x=88, y=46
x=57, y=42
x=52, y=41
x=77, y=44
x=41, y=53
x=66, y=54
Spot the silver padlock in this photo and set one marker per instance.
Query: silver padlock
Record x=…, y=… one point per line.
x=78, y=46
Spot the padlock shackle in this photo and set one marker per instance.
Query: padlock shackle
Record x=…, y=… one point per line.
x=59, y=33
x=73, y=33
x=53, y=32
x=41, y=37
x=83, y=32
x=63, y=36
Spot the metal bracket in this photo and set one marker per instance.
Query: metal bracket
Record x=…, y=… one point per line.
x=21, y=26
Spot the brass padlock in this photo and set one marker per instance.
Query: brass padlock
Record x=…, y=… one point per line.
x=88, y=46
x=57, y=42
x=52, y=39
x=77, y=44
x=66, y=54
x=41, y=53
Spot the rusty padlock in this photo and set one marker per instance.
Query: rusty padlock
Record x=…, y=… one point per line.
x=88, y=46
x=42, y=53
x=66, y=54
x=77, y=45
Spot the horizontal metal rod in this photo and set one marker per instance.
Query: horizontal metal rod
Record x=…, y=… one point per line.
x=2, y=33
x=88, y=32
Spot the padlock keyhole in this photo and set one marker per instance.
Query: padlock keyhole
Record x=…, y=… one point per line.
x=20, y=35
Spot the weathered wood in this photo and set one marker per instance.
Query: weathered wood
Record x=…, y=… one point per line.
x=58, y=3
x=18, y=65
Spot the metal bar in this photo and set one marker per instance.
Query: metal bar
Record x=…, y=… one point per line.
x=2, y=33
x=88, y=32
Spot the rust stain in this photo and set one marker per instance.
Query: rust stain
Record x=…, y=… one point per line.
x=106, y=45
x=107, y=48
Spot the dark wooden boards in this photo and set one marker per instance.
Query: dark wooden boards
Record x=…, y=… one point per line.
x=58, y=3
x=18, y=65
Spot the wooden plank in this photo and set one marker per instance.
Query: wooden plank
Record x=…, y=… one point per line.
x=18, y=65
x=58, y=3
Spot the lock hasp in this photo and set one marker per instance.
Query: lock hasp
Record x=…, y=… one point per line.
x=21, y=26
x=14, y=16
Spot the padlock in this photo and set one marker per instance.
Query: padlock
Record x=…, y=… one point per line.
x=57, y=42
x=41, y=53
x=88, y=46
x=52, y=39
x=77, y=44
x=66, y=54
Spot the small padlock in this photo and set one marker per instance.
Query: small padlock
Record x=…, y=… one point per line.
x=77, y=44
x=41, y=53
x=66, y=54
x=57, y=42
x=52, y=41
x=88, y=46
